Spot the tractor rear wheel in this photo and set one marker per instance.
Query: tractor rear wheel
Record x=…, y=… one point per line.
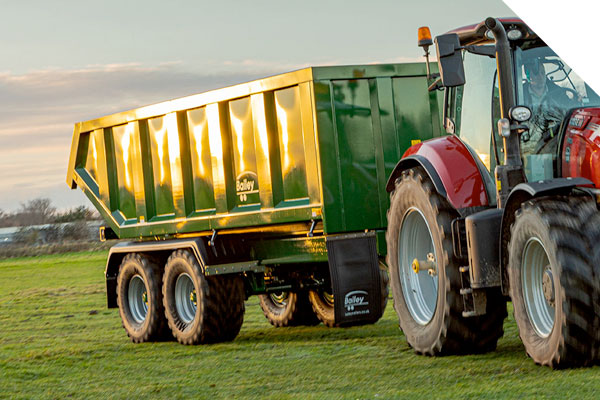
x=551, y=282
x=201, y=309
x=428, y=302
x=287, y=309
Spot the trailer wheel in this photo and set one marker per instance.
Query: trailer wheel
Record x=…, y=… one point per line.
x=287, y=309
x=428, y=303
x=139, y=299
x=322, y=304
x=201, y=309
x=306, y=315
x=551, y=282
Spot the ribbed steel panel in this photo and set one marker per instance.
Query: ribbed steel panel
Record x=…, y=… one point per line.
x=314, y=144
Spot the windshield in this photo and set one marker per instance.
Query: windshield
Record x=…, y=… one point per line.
x=550, y=88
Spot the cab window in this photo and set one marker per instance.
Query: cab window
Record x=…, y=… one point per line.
x=473, y=106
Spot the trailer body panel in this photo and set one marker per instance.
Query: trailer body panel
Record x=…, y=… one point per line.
x=314, y=144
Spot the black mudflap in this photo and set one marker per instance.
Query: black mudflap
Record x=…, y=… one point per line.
x=355, y=278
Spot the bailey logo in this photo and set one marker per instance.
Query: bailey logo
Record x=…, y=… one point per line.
x=246, y=185
x=354, y=299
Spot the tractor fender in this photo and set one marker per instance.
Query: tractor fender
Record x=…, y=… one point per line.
x=416, y=161
x=457, y=174
x=160, y=250
x=520, y=194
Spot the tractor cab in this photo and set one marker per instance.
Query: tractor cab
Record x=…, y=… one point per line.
x=541, y=81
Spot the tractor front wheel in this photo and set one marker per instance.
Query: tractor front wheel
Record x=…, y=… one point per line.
x=551, y=282
x=425, y=275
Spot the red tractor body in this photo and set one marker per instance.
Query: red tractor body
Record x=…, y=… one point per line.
x=456, y=168
x=581, y=145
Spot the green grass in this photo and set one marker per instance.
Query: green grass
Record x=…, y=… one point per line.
x=52, y=347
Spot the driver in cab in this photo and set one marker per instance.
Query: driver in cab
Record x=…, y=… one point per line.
x=539, y=89
x=547, y=101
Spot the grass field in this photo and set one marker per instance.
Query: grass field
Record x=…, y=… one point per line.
x=58, y=340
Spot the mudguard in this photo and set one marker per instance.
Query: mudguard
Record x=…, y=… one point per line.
x=355, y=278
x=522, y=193
x=120, y=250
x=455, y=171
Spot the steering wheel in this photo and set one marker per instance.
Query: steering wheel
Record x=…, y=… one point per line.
x=571, y=98
x=575, y=96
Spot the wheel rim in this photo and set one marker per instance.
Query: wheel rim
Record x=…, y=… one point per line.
x=419, y=289
x=534, y=265
x=279, y=299
x=137, y=295
x=185, y=298
x=326, y=297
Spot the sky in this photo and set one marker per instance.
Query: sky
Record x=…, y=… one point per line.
x=69, y=61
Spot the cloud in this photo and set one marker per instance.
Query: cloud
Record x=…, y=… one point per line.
x=38, y=110
x=98, y=90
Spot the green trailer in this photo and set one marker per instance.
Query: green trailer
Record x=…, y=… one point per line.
x=275, y=187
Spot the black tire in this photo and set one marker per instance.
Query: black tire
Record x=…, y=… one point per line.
x=288, y=309
x=305, y=315
x=556, y=323
x=322, y=304
x=215, y=312
x=590, y=217
x=385, y=285
x=442, y=330
x=142, y=316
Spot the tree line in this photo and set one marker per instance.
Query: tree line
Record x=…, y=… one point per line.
x=40, y=211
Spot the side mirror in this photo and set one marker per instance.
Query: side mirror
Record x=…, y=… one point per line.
x=450, y=60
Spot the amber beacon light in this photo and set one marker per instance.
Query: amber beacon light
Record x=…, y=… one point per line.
x=424, y=36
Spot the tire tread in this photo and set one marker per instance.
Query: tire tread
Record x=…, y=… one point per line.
x=458, y=334
x=573, y=224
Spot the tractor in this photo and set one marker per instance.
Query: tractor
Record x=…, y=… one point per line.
x=504, y=207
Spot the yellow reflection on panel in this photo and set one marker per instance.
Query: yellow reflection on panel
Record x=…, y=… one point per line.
x=91, y=163
x=261, y=123
x=215, y=144
x=242, y=131
x=122, y=135
x=485, y=158
x=238, y=129
x=289, y=124
x=174, y=155
x=160, y=135
x=198, y=130
x=200, y=157
x=125, y=149
x=94, y=151
x=285, y=140
x=173, y=135
x=214, y=130
x=160, y=151
x=198, y=126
